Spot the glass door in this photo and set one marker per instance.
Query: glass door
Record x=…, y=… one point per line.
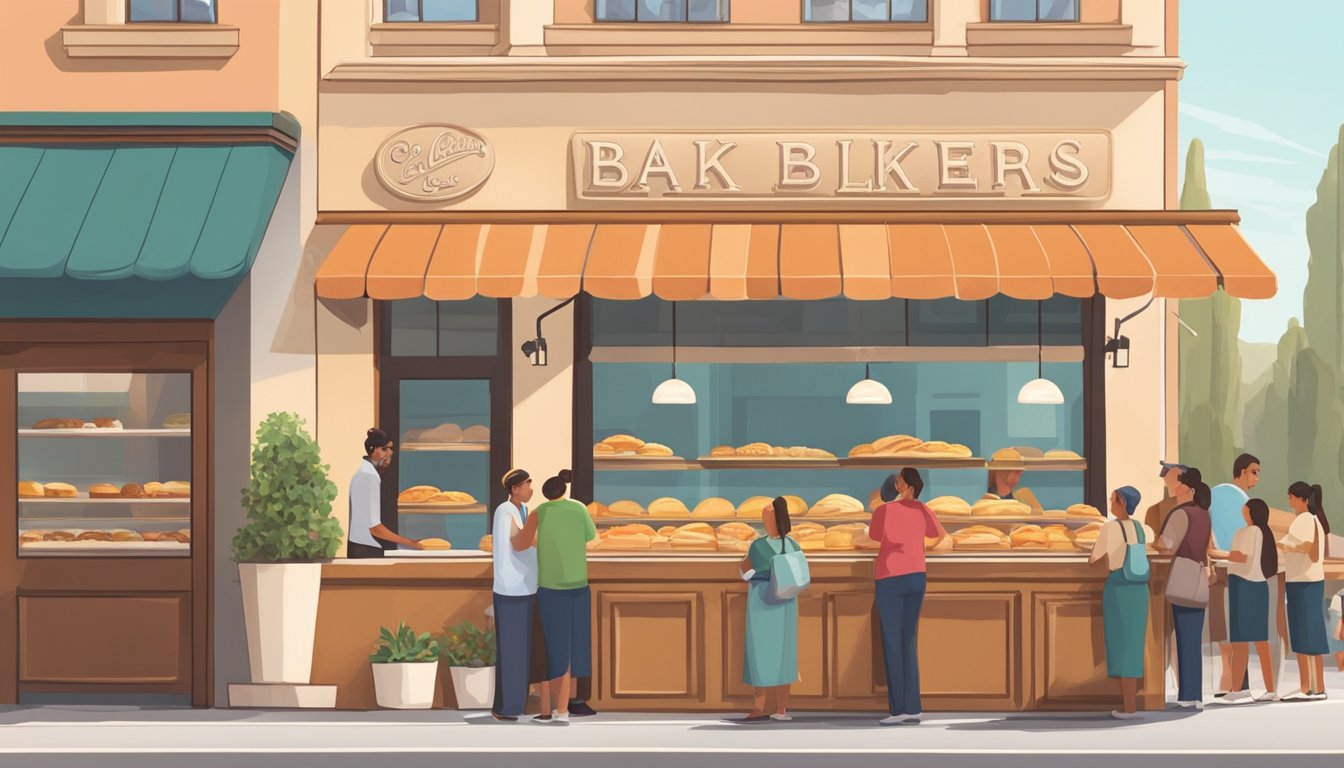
x=443, y=460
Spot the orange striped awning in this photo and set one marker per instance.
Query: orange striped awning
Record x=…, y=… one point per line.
x=1167, y=254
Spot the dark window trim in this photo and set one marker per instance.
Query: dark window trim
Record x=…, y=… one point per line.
x=726, y=19
x=496, y=369
x=1077, y=13
x=177, y=13
x=582, y=428
x=420, y=14
x=802, y=14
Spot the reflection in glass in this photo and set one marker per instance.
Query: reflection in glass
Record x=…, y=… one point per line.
x=826, y=10
x=662, y=10
x=615, y=10
x=153, y=10
x=1012, y=10
x=1059, y=10
x=909, y=10
x=869, y=10
x=401, y=11
x=448, y=10
x=198, y=11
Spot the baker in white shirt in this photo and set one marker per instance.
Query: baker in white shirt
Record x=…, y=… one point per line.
x=515, y=595
x=366, y=500
x=1304, y=571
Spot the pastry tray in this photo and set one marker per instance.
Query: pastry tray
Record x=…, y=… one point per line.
x=461, y=447
x=440, y=509
x=635, y=461
x=884, y=461
x=765, y=462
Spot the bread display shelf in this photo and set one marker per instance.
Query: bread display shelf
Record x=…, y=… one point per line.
x=636, y=462
x=435, y=553
x=455, y=447
x=1068, y=521
x=44, y=520
x=766, y=462
x=655, y=521
x=104, y=433
x=1053, y=465
x=913, y=460
x=137, y=548
x=84, y=499
x=440, y=509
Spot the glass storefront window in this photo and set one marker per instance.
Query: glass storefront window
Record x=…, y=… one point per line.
x=425, y=328
x=443, y=442
x=104, y=464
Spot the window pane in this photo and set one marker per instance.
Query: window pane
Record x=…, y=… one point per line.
x=449, y=10
x=779, y=323
x=909, y=10
x=826, y=10
x=469, y=327
x=708, y=10
x=444, y=441
x=1059, y=10
x=1013, y=322
x=153, y=10
x=199, y=11
x=1012, y=10
x=662, y=10
x=402, y=10
x=615, y=10
x=870, y=10
x=413, y=328
x=947, y=323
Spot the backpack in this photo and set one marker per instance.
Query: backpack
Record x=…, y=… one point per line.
x=1135, y=568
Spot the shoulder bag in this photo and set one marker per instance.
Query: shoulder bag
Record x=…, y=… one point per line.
x=789, y=574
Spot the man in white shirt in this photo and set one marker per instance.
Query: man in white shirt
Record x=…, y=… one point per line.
x=515, y=595
x=366, y=501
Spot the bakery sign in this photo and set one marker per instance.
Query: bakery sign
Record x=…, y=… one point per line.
x=919, y=167
x=433, y=163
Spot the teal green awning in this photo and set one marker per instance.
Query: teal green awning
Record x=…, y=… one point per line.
x=134, y=215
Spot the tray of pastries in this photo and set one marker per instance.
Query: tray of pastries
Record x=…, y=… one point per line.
x=906, y=450
x=630, y=452
x=447, y=437
x=31, y=490
x=765, y=455
x=977, y=538
x=836, y=506
x=60, y=424
x=109, y=539
x=429, y=498
x=1028, y=458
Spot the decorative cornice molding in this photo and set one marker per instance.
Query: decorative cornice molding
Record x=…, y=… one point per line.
x=1131, y=218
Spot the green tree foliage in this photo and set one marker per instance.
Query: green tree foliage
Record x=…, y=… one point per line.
x=288, y=502
x=1210, y=368
x=1268, y=437
x=1322, y=303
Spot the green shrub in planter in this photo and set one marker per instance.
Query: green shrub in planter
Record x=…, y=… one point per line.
x=288, y=501
x=467, y=645
x=404, y=646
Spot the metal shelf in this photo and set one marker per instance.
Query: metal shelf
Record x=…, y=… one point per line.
x=104, y=433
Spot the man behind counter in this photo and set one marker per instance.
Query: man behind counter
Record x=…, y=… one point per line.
x=366, y=500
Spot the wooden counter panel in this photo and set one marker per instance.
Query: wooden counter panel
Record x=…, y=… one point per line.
x=650, y=645
x=1071, y=650
x=106, y=640
x=856, y=647
x=968, y=650
x=812, y=644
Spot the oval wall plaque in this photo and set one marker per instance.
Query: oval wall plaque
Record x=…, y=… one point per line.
x=433, y=163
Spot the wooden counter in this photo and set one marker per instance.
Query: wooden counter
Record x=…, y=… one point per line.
x=1000, y=633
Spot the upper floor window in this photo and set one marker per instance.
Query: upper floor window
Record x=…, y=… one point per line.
x=663, y=10
x=170, y=11
x=866, y=10
x=395, y=11
x=1033, y=10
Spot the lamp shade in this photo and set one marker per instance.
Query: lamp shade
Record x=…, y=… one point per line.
x=674, y=391
x=1040, y=392
x=868, y=392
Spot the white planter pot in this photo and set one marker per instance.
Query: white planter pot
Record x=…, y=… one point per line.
x=280, y=612
x=474, y=686
x=407, y=685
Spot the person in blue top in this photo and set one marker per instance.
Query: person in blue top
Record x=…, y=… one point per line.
x=1225, y=513
x=770, y=663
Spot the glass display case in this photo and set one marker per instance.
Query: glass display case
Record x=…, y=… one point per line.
x=104, y=464
x=444, y=460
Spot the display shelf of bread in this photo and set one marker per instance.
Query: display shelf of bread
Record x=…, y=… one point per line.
x=764, y=455
x=103, y=426
x=836, y=507
x=52, y=540
x=1034, y=459
x=172, y=492
x=447, y=437
x=952, y=510
x=909, y=451
x=630, y=452
x=430, y=500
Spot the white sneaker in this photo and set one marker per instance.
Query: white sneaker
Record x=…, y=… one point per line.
x=1267, y=696
x=1195, y=704
x=560, y=717
x=1319, y=696
x=899, y=720
x=782, y=718
x=1118, y=715
x=1296, y=696
x=1235, y=697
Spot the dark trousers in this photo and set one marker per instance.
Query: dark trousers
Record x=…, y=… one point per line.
x=899, y=599
x=1189, y=624
x=582, y=689
x=513, y=649
x=356, y=550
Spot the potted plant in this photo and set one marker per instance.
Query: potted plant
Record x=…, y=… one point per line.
x=469, y=652
x=405, y=667
x=289, y=534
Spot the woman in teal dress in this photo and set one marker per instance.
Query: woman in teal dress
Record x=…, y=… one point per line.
x=771, y=663
x=1124, y=602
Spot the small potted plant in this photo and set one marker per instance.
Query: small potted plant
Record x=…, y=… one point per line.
x=404, y=668
x=469, y=652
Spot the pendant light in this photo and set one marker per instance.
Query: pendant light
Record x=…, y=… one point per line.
x=674, y=391
x=868, y=391
x=1040, y=390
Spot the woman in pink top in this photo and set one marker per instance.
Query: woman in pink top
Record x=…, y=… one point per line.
x=900, y=526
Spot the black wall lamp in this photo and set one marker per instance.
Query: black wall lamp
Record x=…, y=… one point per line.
x=1117, y=345
x=536, y=348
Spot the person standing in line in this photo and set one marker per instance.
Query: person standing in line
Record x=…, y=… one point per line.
x=564, y=529
x=1227, y=503
x=366, y=501
x=1155, y=517
x=900, y=527
x=515, y=594
x=1253, y=560
x=1304, y=568
x=1121, y=547
x=770, y=662
x=1188, y=534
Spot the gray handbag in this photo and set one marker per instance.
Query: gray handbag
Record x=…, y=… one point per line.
x=1188, y=583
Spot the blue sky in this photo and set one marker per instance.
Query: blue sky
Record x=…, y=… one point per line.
x=1264, y=91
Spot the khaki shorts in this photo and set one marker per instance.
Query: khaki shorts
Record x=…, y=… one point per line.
x=1218, y=608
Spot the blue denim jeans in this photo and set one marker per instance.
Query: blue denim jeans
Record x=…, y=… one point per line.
x=899, y=599
x=1189, y=623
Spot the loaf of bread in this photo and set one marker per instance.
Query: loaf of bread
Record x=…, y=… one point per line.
x=1087, y=535
x=58, y=536
x=31, y=536
x=487, y=543
x=173, y=489
x=841, y=540
x=60, y=490
x=736, y=537
x=94, y=536
x=862, y=449
x=624, y=443
x=476, y=433
x=132, y=491
x=177, y=421
x=950, y=506
x=1028, y=537
x=125, y=535
x=597, y=510
x=444, y=433
x=654, y=449
x=695, y=536
x=1083, y=512
x=668, y=507
x=436, y=543
x=1061, y=453
x=635, y=536
x=59, y=424
x=895, y=445
x=1058, y=537
x=452, y=497
x=30, y=489
x=104, y=491
x=106, y=422
x=754, y=507
x=627, y=508
x=996, y=507
x=416, y=494
x=602, y=449
x=797, y=506
x=714, y=508
x=980, y=537
x=836, y=505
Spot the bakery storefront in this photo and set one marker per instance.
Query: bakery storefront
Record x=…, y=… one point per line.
x=122, y=236
x=715, y=316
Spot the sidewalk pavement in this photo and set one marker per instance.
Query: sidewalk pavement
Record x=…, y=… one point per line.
x=1284, y=735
